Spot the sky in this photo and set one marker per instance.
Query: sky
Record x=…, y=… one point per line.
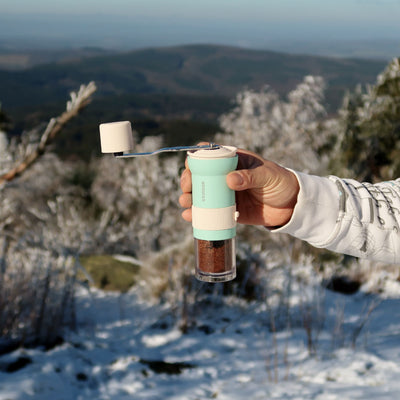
x=251, y=23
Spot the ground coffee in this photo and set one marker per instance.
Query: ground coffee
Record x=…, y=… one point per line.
x=215, y=257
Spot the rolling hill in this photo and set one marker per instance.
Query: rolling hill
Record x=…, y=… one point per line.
x=196, y=69
x=188, y=83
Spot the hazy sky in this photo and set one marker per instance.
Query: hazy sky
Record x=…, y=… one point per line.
x=246, y=22
x=361, y=10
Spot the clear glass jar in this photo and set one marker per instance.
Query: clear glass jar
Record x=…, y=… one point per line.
x=215, y=260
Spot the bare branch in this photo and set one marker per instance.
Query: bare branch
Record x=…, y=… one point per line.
x=74, y=106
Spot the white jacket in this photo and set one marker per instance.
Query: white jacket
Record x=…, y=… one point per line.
x=349, y=217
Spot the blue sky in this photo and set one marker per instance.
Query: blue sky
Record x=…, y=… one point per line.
x=252, y=23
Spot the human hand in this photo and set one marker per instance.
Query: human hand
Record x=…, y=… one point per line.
x=266, y=193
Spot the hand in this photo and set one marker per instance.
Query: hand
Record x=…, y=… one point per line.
x=266, y=193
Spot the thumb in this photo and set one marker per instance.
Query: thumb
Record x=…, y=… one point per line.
x=247, y=179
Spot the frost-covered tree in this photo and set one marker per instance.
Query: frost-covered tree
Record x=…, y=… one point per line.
x=286, y=131
x=41, y=233
x=138, y=200
x=369, y=143
x=39, y=198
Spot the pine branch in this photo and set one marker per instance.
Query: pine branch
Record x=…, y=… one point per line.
x=74, y=106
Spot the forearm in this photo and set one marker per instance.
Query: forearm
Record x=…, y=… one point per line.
x=348, y=217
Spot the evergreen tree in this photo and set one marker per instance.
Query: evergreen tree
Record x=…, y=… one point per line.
x=4, y=120
x=369, y=147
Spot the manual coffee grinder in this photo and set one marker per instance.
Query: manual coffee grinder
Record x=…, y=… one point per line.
x=214, y=212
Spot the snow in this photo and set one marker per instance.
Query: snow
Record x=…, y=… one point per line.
x=129, y=348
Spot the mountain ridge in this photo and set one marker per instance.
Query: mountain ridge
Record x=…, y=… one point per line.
x=177, y=92
x=190, y=69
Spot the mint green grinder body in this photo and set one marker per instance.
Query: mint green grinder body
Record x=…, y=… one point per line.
x=213, y=213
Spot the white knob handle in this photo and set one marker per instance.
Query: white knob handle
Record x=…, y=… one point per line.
x=116, y=137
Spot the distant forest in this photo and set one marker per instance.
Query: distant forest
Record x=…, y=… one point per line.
x=176, y=92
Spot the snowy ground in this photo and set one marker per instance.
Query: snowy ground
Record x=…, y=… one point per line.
x=127, y=348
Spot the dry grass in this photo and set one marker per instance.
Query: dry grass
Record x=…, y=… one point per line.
x=109, y=273
x=36, y=304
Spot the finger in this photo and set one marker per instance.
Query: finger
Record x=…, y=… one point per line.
x=235, y=180
x=185, y=200
x=248, y=178
x=186, y=181
x=187, y=215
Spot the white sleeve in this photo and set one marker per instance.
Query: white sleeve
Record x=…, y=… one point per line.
x=349, y=217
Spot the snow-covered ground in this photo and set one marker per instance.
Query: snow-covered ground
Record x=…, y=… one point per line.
x=128, y=348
